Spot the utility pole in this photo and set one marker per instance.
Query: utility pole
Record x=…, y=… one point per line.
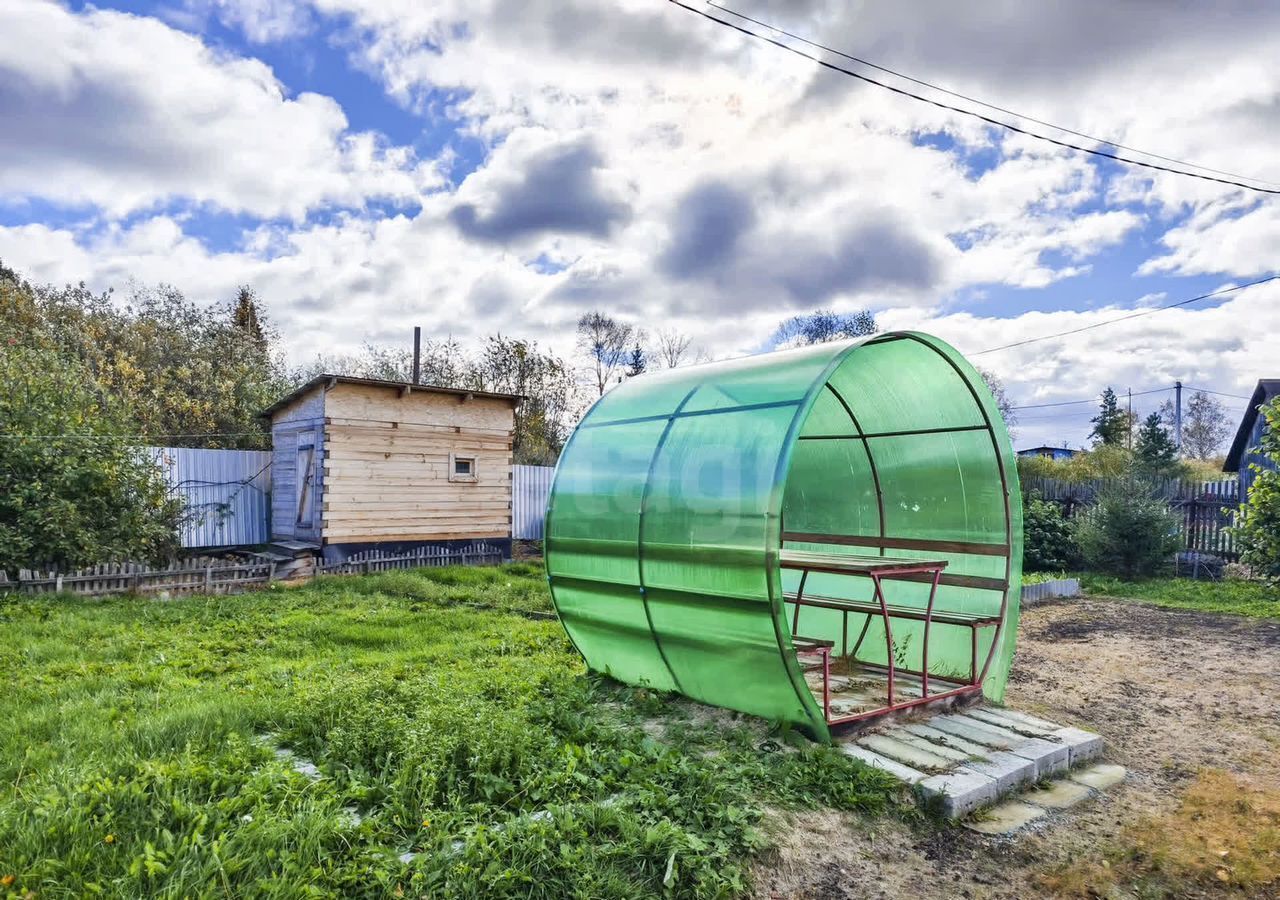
x=1177, y=415
x=417, y=354
x=1129, y=421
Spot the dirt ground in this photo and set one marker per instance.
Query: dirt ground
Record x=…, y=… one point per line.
x=1172, y=692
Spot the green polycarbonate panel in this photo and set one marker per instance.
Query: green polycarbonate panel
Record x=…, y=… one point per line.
x=672, y=498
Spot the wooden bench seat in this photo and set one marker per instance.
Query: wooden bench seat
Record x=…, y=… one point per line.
x=845, y=564
x=916, y=613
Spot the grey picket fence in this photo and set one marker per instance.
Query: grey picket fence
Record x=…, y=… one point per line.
x=197, y=575
x=367, y=561
x=1206, y=510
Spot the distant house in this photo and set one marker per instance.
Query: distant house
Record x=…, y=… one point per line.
x=1049, y=452
x=359, y=462
x=1244, y=449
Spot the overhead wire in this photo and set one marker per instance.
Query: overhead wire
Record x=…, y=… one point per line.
x=968, y=112
x=1135, y=315
x=936, y=87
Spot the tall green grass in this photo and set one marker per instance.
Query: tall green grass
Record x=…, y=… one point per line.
x=461, y=752
x=1243, y=598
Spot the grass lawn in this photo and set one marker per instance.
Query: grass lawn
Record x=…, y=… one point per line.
x=1244, y=598
x=164, y=748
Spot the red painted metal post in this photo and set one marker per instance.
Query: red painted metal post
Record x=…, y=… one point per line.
x=973, y=658
x=888, y=630
x=928, y=620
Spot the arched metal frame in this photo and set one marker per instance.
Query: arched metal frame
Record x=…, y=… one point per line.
x=627, y=521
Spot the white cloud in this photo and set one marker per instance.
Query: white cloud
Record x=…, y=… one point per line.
x=122, y=113
x=680, y=173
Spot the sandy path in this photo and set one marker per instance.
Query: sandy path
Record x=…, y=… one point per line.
x=1170, y=691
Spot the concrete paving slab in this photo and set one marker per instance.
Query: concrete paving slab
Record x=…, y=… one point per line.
x=1022, y=717
x=942, y=737
x=1058, y=795
x=1099, y=777
x=971, y=730
x=896, y=769
x=1084, y=745
x=1009, y=770
x=958, y=792
x=993, y=717
x=956, y=756
x=1006, y=733
x=1005, y=818
x=1050, y=758
x=907, y=754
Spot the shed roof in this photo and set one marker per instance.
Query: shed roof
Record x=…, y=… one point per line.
x=1266, y=389
x=406, y=386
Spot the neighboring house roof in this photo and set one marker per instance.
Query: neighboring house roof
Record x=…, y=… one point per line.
x=405, y=386
x=1266, y=389
x=1050, y=449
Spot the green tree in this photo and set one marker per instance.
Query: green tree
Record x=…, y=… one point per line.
x=1154, y=452
x=638, y=364
x=244, y=316
x=1110, y=425
x=546, y=382
x=823, y=325
x=1003, y=402
x=604, y=340
x=1128, y=531
x=74, y=487
x=1257, y=532
x=1048, y=545
x=187, y=374
x=1204, y=426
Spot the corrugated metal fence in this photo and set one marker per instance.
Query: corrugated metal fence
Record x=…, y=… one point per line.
x=226, y=492
x=530, y=488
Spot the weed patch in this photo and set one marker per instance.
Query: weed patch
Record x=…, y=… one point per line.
x=1225, y=833
x=459, y=751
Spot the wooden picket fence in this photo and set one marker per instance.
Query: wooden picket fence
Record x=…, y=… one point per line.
x=368, y=561
x=1206, y=509
x=197, y=575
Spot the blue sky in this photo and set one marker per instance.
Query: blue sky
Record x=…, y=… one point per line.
x=368, y=166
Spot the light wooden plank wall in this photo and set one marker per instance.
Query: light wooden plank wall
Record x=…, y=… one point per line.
x=386, y=466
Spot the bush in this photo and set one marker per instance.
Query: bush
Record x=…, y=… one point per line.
x=1127, y=532
x=73, y=491
x=1048, y=543
x=1258, y=534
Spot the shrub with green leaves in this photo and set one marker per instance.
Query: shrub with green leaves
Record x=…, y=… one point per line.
x=1128, y=531
x=1258, y=531
x=73, y=488
x=1048, y=543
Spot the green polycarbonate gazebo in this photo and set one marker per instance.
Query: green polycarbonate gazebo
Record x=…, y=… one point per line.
x=817, y=536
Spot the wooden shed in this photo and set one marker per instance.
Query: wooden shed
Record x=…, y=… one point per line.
x=359, y=462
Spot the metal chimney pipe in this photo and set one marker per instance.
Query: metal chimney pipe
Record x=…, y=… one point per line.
x=417, y=354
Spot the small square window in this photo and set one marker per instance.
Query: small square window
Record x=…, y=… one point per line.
x=462, y=468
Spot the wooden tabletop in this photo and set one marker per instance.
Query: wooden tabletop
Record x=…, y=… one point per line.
x=841, y=563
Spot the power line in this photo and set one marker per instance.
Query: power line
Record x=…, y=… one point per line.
x=1093, y=399
x=1136, y=315
x=1217, y=393
x=957, y=94
x=968, y=112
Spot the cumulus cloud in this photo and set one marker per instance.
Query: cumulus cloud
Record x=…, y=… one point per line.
x=675, y=172
x=709, y=220
x=122, y=113
x=555, y=189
